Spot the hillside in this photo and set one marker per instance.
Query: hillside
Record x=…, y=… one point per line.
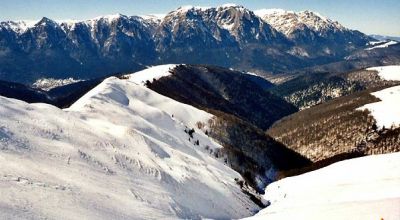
x=166, y=158
x=232, y=92
x=243, y=109
x=313, y=88
x=362, y=188
x=339, y=126
x=116, y=148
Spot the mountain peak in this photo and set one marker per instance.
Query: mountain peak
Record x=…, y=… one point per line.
x=278, y=11
x=45, y=21
x=186, y=8
x=111, y=17
x=289, y=22
x=314, y=15
x=18, y=26
x=230, y=5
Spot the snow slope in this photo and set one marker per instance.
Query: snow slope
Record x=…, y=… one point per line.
x=387, y=72
x=363, y=188
x=151, y=73
x=120, y=152
x=385, y=45
x=387, y=111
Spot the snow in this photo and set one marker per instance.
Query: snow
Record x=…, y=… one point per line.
x=387, y=111
x=287, y=22
x=325, y=19
x=68, y=22
x=229, y=5
x=151, y=73
x=228, y=26
x=363, y=188
x=263, y=12
x=109, y=18
x=375, y=42
x=385, y=45
x=51, y=83
x=153, y=17
x=186, y=8
x=391, y=72
x=119, y=152
x=20, y=27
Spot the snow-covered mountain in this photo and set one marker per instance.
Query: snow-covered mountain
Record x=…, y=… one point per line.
x=122, y=151
x=228, y=35
x=223, y=24
x=311, y=28
x=290, y=22
x=363, y=188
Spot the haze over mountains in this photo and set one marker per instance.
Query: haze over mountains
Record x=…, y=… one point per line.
x=229, y=35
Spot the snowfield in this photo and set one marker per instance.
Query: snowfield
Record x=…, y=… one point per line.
x=387, y=72
x=358, y=189
x=387, y=111
x=120, y=152
x=151, y=73
x=384, y=45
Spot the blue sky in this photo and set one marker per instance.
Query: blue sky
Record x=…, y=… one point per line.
x=368, y=16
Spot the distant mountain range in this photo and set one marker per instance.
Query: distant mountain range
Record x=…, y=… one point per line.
x=228, y=35
x=383, y=37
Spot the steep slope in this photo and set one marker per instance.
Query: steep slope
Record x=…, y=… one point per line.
x=362, y=188
x=232, y=92
x=243, y=108
x=117, y=153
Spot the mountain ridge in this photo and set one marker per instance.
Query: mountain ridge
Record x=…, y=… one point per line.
x=228, y=36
